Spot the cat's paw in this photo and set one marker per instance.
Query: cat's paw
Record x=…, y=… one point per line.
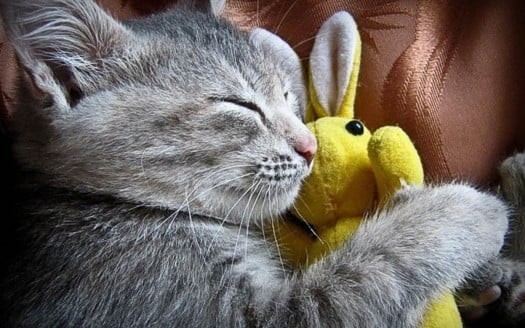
x=481, y=217
x=482, y=287
x=494, y=295
x=512, y=173
x=460, y=213
x=463, y=227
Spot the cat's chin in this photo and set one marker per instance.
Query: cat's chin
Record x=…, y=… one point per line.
x=242, y=208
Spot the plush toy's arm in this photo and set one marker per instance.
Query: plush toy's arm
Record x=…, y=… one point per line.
x=394, y=160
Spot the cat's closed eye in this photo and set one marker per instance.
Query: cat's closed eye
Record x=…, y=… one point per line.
x=242, y=103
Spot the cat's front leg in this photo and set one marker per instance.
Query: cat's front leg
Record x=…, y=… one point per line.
x=425, y=242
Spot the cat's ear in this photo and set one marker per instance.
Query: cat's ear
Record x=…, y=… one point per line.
x=283, y=55
x=214, y=7
x=61, y=43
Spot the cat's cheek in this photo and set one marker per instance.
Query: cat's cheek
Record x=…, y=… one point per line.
x=233, y=128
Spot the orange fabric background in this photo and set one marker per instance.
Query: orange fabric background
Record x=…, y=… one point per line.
x=448, y=72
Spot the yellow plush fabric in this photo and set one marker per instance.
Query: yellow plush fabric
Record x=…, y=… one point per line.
x=394, y=160
x=355, y=171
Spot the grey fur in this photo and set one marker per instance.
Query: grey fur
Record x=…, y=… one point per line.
x=508, y=270
x=512, y=173
x=155, y=153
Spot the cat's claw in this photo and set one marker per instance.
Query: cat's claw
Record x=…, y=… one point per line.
x=496, y=296
x=512, y=174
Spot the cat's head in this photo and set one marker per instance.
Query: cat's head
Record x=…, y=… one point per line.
x=179, y=110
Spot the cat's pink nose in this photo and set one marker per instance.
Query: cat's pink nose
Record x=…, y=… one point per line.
x=307, y=147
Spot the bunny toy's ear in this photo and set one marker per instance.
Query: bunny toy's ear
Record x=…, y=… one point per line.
x=334, y=67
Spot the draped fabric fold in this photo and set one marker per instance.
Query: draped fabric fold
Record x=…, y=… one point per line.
x=448, y=72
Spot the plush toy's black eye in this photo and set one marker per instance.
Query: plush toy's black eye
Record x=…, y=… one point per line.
x=355, y=127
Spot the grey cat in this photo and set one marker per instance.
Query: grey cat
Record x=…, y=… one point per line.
x=156, y=152
x=494, y=295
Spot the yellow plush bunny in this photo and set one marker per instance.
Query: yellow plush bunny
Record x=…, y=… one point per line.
x=355, y=171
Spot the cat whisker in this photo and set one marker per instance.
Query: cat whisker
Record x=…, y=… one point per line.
x=241, y=224
x=222, y=183
x=310, y=57
x=187, y=200
x=262, y=220
x=251, y=213
x=284, y=16
x=305, y=204
x=279, y=253
x=195, y=234
x=310, y=228
x=259, y=193
x=307, y=40
x=142, y=169
x=225, y=219
x=206, y=171
x=170, y=218
x=205, y=174
x=272, y=219
x=300, y=43
x=257, y=12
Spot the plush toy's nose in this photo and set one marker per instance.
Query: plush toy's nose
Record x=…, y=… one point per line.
x=307, y=147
